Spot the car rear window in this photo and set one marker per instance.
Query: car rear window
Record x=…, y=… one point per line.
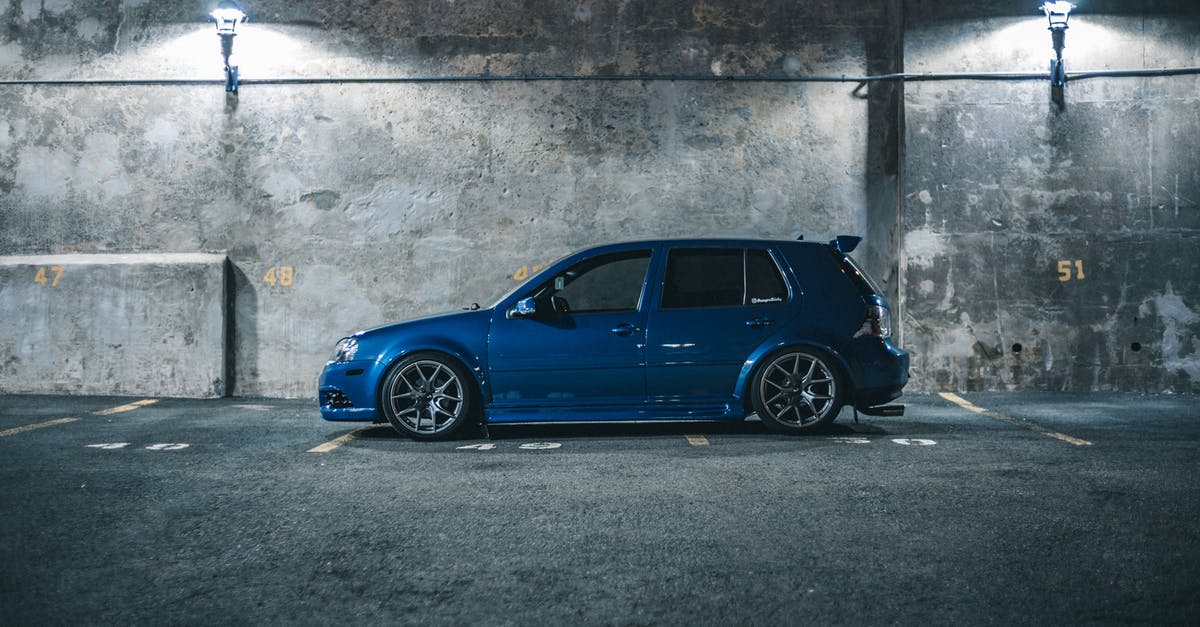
x=857, y=275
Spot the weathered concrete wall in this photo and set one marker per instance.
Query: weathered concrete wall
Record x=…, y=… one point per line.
x=149, y=324
x=1053, y=249
x=345, y=206
x=385, y=201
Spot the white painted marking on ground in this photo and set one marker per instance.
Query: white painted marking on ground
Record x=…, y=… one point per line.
x=124, y=408
x=697, y=440
x=1019, y=422
x=851, y=440
x=255, y=407
x=914, y=442
x=37, y=425
x=486, y=446
x=167, y=446
x=539, y=446
x=109, y=445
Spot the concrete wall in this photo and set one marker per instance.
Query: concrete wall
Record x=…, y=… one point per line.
x=1047, y=248
x=147, y=325
x=387, y=201
x=347, y=205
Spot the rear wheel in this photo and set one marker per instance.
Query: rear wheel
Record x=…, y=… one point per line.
x=797, y=391
x=428, y=396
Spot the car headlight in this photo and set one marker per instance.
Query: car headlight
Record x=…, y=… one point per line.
x=346, y=348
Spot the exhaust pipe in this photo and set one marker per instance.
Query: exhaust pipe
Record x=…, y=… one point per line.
x=883, y=410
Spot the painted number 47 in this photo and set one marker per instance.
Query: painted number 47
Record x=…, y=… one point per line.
x=43, y=278
x=1068, y=270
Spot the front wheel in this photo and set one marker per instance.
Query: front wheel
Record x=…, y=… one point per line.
x=428, y=396
x=798, y=391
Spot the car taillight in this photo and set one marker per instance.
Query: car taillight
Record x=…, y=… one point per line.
x=878, y=323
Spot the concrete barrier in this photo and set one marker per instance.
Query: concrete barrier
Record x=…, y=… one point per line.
x=138, y=324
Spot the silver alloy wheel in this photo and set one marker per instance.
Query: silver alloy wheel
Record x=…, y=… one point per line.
x=798, y=389
x=427, y=396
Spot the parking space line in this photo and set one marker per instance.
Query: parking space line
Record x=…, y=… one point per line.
x=336, y=442
x=124, y=408
x=1019, y=422
x=38, y=425
x=697, y=440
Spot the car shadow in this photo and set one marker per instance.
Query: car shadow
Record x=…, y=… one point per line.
x=680, y=429
x=577, y=430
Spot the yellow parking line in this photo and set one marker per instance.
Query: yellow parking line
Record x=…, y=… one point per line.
x=334, y=443
x=1024, y=424
x=697, y=440
x=39, y=425
x=123, y=408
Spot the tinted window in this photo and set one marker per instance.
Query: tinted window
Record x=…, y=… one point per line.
x=721, y=277
x=605, y=283
x=857, y=275
x=703, y=277
x=764, y=284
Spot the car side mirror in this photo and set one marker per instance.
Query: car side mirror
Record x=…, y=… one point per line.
x=525, y=308
x=539, y=308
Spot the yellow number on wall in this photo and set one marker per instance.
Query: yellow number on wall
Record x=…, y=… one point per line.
x=1065, y=268
x=283, y=276
x=43, y=279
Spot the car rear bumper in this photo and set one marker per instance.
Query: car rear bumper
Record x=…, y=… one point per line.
x=884, y=373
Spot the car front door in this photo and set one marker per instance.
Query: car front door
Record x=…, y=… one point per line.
x=583, y=342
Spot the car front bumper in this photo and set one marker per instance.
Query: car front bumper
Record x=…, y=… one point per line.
x=346, y=392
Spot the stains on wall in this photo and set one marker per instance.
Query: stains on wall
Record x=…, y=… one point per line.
x=1025, y=247
x=1048, y=249
x=380, y=202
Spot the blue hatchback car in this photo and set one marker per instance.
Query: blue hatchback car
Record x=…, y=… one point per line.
x=655, y=330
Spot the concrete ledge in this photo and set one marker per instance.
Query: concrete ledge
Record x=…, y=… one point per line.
x=127, y=324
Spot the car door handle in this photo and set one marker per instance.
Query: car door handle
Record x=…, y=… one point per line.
x=758, y=323
x=625, y=329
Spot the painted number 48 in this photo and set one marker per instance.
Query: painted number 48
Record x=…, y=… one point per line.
x=1068, y=270
x=282, y=276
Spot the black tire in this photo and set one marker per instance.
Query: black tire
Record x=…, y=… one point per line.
x=798, y=391
x=429, y=396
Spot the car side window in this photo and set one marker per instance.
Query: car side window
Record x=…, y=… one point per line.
x=703, y=277
x=764, y=284
x=610, y=282
x=721, y=277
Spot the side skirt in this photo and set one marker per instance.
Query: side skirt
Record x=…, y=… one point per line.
x=610, y=413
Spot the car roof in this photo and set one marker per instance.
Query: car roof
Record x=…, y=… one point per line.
x=698, y=241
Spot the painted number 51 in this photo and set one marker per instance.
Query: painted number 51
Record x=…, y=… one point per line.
x=1068, y=270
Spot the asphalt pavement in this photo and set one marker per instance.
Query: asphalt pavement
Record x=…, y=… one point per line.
x=1031, y=508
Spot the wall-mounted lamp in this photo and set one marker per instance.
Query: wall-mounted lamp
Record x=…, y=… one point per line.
x=1057, y=14
x=228, y=15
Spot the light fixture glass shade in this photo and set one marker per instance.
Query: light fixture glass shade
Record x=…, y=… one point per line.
x=227, y=15
x=1057, y=13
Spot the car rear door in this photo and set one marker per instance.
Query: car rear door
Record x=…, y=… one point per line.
x=717, y=304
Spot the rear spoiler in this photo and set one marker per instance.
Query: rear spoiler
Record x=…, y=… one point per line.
x=845, y=243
